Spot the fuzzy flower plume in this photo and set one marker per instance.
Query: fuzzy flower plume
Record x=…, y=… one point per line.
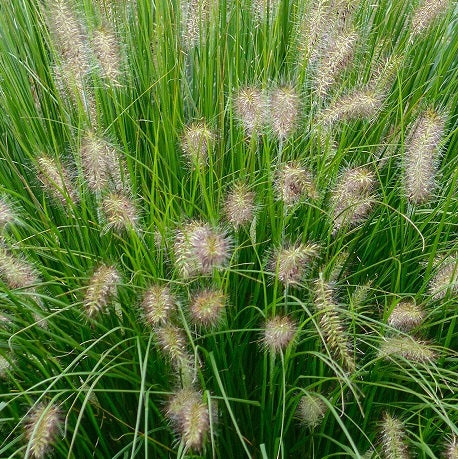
x=120, y=212
x=293, y=183
x=207, y=307
x=197, y=142
x=172, y=341
x=199, y=249
x=7, y=214
x=421, y=156
x=158, y=303
x=311, y=410
x=5, y=366
x=264, y=9
x=352, y=197
x=406, y=316
x=452, y=449
x=426, y=13
x=108, y=53
x=408, y=348
x=190, y=418
x=101, y=290
x=278, y=333
x=101, y=163
x=251, y=109
x=15, y=272
x=239, y=205
x=290, y=263
x=56, y=180
x=331, y=324
x=284, y=111
x=393, y=438
x=42, y=427
x=195, y=19
x=446, y=279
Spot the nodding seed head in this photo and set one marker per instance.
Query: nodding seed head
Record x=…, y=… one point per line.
x=172, y=341
x=408, y=348
x=406, y=315
x=239, y=205
x=284, y=107
x=207, y=307
x=251, y=109
x=393, y=438
x=120, y=212
x=293, y=182
x=197, y=142
x=7, y=215
x=446, y=279
x=108, y=53
x=278, y=333
x=15, y=272
x=311, y=410
x=158, y=303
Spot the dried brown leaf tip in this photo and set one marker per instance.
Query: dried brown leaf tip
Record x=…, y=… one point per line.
x=239, y=205
x=251, y=109
x=293, y=183
x=278, y=333
x=393, y=438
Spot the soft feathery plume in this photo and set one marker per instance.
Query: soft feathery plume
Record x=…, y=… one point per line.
x=239, y=205
x=290, y=263
x=337, y=57
x=42, y=427
x=15, y=272
x=195, y=19
x=108, y=53
x=102, y=288
x=422, y=148
x=251, y=109
x=101, y=163
x=264, y=9
x=56, y=180
x=352, y=197
x=359, y=296
x=199, y=249
x=385, y=73
x=357, y=105
x=207, y=307
x=311, y=410
x=120, y=212
x=172, y=342
x=446, y=279
x=393, y=438
x=158, y=303
x=426, y=13
x=331, y=324
x=294, y=182
x=5, y=366
x=407, y=347
x=452, y=449
x=190, y=418
x=406, y=316
x=284, y=105
x=7, y=214
x=278, y=333
x=197, y=142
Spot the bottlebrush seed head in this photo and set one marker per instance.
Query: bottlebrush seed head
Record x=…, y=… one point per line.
x=293, y=183
x=197, y=142
x=120, y=212
x=102, y=288
x=5, y=366
x=207, y=307
x=56, y=180
x=311, y=410
x=278, y=333
x=421, y=156
x=42, y=427
x=290, y=263
x=190, y=418
x=426, y=13
x=195, y=19
x=406, y=316
x=17, y=273
x=452, y=449
x=172, y=341
x=284, y=107
x=7, y=215
x=393, y=438
x=239, y=205
x=158, y=304
x=446, y=279
x=251, y=109
x=108, y=53
x=407, y=347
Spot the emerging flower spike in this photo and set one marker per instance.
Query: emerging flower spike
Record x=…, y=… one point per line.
x=452, y=449
x=172, y=341
x=290, y=263
x=17, y=273
x=251, y=109
x=108, y=53
x=195, y=20
x=199, y=249
x=207, y=307
x=41, y=429
x=446, y=279
x=239, y=205
x=278, y=333
x=7, y=215
x=426, y=13
x=393, y=438
x=56, y=180
x=311, y=410
x=406, y=316
x=158, y=304
x=102, y=288
x=407, y=347
x=197, y=142
x=293, y=183
x=190, y=418
x=420, y=157
x=120, y=212
x=284, y=111
x=352, y=197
